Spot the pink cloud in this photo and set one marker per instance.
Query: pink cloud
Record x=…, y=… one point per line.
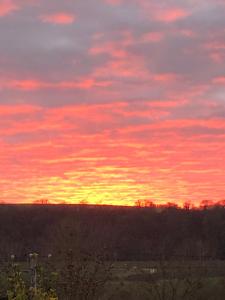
x=219, y=80
x=161, y=12
x=109, y=48
x=113, y=2
x=27, y=85
x=84, y=84
x=60, y=18
x=153, y=37
x=165, y=77
x=170, y=15
x=34, y=84
x=115, y=49
x=7, y=7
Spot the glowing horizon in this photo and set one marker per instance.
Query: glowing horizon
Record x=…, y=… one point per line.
x=112, y=101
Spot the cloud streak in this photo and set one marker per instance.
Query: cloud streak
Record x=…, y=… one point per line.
x=60, y=18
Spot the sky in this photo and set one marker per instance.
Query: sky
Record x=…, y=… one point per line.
x=112, y=101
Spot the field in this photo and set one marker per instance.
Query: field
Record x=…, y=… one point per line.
x=167, y=280
x=159, y=280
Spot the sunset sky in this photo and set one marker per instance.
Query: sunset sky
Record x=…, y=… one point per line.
x=112, y=101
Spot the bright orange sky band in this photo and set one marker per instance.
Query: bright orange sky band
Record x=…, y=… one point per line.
x=112, y=101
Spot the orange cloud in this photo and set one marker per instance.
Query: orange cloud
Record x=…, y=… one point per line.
x=9, y=110
x=60, y=18
x=115, y=165
x=177, y=124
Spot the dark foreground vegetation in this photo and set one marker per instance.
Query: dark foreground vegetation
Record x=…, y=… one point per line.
x=99, y=252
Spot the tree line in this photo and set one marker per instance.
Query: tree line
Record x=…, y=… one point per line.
x=125, y=233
